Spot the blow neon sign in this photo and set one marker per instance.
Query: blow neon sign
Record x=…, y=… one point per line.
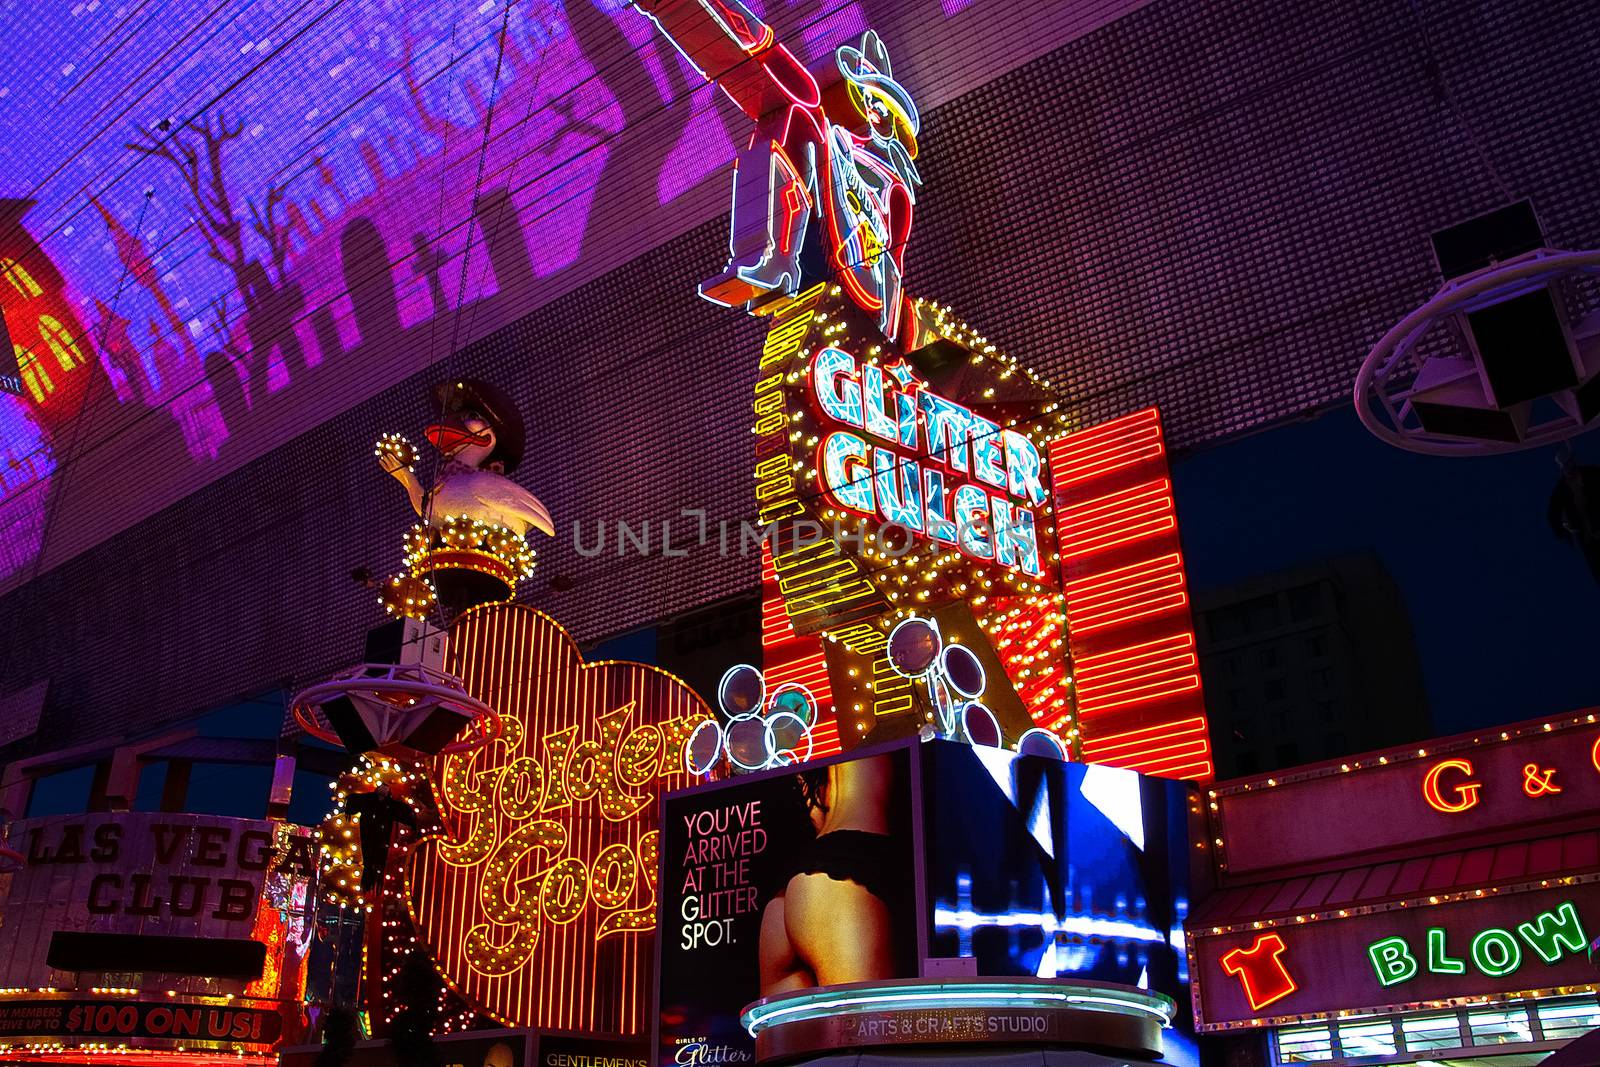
x=930, y=465
x=1495, y=951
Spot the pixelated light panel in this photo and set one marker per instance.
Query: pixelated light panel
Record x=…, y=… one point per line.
x=323, y=201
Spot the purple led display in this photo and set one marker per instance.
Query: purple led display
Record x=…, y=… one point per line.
x=311, y=233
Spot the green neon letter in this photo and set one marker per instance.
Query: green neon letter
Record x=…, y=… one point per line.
x=1438, y=962
x=1392, y=959
x=1496, y=952
x=1552, y=931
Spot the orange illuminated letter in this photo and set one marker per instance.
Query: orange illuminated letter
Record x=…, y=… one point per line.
x=1465, y=794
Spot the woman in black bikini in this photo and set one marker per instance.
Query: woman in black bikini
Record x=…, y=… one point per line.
x=840, y=900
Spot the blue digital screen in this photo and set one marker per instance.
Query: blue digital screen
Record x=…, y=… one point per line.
x=1043, y=868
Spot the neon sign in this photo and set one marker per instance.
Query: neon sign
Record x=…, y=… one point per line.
x=907, y=479
x=1261, y=971
x=1132, y=639
x=535, y=894
x=1461, y=791
x=1494, y=951
x=930, y=465
x=764, y=726
x=843, y=158
x=1453, y=797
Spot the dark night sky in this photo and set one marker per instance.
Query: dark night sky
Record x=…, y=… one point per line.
x=1506, y=616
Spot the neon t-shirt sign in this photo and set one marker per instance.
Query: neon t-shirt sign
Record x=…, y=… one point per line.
x=912, y=458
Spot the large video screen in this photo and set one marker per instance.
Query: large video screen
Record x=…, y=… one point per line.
x=1051, y=869
x=780, y=882
x=1029, y=866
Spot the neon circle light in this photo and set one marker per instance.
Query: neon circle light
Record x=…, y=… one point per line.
x=1041, y=742
x=781, y=755
x=960, y=664
x=905, y=660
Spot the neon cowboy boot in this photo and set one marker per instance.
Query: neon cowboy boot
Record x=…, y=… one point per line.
x=772, y=205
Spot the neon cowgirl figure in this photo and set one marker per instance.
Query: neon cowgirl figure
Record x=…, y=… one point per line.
x=841, y=153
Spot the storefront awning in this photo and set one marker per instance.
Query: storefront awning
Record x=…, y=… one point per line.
x=1447, y=872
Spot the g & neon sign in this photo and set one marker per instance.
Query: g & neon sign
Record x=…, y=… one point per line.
x=1451, y=785
x=894, y=450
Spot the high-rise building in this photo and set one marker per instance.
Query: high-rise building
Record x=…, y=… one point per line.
x=1309, y=663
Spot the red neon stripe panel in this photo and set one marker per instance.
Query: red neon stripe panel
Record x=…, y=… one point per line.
x=1180, y=750
x=1118, y=518
x=1127, y=601
x=1106, y=449
x=1136, y=591
x=789, y=658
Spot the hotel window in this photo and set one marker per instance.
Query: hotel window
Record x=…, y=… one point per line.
x=61, y=342
x=1499, y=1026
x=1305, y=602
x=33, y=372
x=1564, y=1019
x=1304, y=1044
x=19, y=278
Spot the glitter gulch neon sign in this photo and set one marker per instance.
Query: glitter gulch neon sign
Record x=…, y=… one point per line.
x=534, y=898
x=972, y=485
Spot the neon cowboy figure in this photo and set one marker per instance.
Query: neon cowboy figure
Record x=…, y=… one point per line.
x=841, y=153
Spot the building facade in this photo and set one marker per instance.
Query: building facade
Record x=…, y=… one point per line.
x=1417, y=904
x=1309, y=664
